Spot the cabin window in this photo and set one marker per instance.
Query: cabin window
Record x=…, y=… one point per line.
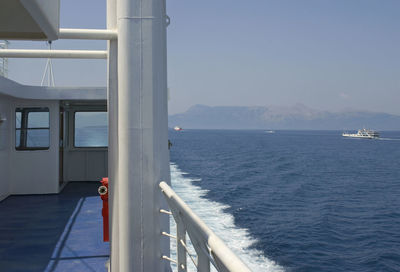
x=91, y=129
x=32, y=128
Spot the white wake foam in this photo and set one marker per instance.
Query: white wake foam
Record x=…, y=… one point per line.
x=222, y=223
x=389, y=139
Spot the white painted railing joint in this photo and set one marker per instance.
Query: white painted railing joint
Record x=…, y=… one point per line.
x=168, y=235
x=165, y=211
x=169, y=259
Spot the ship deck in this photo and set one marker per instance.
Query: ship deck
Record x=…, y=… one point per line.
x=60, y=232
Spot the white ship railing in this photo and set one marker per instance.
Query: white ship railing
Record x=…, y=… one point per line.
x=208, y=246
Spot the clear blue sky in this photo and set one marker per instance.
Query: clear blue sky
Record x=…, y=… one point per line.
x=329, y=55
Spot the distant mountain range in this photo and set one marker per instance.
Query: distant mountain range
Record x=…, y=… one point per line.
x=296, y=117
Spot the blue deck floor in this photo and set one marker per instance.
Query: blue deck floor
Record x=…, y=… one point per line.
x=53, y=232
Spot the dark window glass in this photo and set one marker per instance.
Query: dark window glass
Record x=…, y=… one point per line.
x=18, y=119
x=17, y=138
x=37, y=138
x=32, y=128
x=91, y=129
x=38, y=119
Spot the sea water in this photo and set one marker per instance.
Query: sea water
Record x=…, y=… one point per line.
x=295, y=200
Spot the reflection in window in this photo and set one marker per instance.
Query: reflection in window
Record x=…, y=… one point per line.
x=18, y=115
x=32, y=128
x=91, y=129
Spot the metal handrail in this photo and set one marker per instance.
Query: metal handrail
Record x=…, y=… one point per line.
x=208, y=246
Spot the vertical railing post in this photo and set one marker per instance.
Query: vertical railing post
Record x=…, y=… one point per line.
x=180, y=249
x=203, y=262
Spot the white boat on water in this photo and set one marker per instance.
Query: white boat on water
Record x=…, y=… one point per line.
x=178, y=128
x=363, y=133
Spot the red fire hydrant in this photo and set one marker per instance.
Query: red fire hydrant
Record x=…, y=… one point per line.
x=103, y=191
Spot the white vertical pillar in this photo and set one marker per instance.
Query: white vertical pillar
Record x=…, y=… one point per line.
x=180, y=250
x=143, y=159
x=112, y=108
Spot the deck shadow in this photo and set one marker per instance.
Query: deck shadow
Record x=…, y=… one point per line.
x=53, y=232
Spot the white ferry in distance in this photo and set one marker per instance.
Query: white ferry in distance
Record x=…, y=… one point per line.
x=178, y=128
x=363, y=133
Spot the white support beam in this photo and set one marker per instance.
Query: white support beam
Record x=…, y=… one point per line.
x=143, y=157
x=58, y=54
x=87, y=34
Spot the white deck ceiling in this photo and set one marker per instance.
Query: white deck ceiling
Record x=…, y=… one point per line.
x=16, y=90
x=29, y=19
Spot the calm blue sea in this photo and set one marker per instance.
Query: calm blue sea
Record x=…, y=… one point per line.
x=295, y=200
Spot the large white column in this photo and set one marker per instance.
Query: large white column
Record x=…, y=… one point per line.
x=112, y=108
x=143, y=159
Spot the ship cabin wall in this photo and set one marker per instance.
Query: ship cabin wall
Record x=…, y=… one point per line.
x=46, y=168
x=28, y=171
x=85, y=161
x=5, y=139
x=36, y=171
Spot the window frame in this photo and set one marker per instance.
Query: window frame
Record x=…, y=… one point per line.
x=23, y=139
x=74, y=130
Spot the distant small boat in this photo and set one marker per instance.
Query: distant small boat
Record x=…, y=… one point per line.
x=363, y=133
x=178, y=128
x=270, y=131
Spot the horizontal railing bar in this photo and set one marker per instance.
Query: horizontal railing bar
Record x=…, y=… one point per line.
x=58, y=54
x=225, y=256
x=169, y=259
x=87, y=34
x=165, y=211
x=168, y=235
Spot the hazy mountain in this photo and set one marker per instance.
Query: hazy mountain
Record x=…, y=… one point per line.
x=272, y=117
